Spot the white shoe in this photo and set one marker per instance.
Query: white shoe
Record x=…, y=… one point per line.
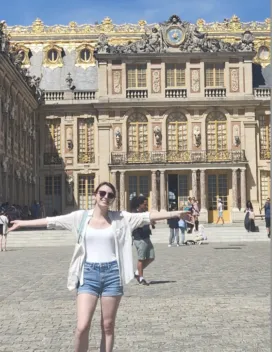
x=169, y=245
x=177, y=245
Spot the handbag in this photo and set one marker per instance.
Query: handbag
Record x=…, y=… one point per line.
x=77, y=258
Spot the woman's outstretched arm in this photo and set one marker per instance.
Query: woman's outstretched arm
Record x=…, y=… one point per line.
x=16, y=224
x=163, y=214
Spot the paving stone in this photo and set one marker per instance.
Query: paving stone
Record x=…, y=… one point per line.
x=201, y=299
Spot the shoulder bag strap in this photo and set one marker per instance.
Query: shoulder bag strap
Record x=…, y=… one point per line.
x=81, y=225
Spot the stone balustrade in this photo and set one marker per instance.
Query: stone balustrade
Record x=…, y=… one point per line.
x=175, y=93
x=137, y=93
x=215, y=92
x=262, y=93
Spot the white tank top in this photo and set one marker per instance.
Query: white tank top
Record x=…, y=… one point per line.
x=100, y=245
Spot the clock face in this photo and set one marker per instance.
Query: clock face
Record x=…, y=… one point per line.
x=174, y=36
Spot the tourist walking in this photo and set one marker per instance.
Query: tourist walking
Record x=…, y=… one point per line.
x=3, y=231
x=220, y=211
x=182, y=227
x=250, y=217
x=102, y=262
x=142, y=241
x=267, y=215
x=195, y=213
x=174, y=231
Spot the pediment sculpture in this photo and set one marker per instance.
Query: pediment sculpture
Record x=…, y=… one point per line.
x=175, y=35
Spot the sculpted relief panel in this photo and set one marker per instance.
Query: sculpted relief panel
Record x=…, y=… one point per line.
x=156, y=81
x=176, y=35
x=234, y=80
x=116, y=81
x=195, y=80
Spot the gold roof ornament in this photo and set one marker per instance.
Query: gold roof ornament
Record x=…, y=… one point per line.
x=37, y=26
x=107, y=25
x=235, y=23
x=72, y=26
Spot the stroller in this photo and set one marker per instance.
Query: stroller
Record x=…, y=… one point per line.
x=198, y=239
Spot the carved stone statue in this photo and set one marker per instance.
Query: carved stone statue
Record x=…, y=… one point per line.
x=69, y=138
x=236, y=137
x=7, y=104
x=246, y=43
x=102, y=44
x=175, y=35
x=5, y=164
x=197, y=136
x=118, y=138
x=70, y=189
x=157, y=136
x=18, y=173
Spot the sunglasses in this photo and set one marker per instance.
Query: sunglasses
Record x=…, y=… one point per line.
x=102, y=194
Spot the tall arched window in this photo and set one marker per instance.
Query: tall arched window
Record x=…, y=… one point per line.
x=177, y=133
x=137, y=133
x=217, y=132
x=265, y=132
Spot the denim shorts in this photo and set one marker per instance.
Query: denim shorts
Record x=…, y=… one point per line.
x=101, y=279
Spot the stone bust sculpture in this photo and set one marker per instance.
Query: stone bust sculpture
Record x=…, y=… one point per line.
x=197, y=136
x=118, y=138
x=157, y=135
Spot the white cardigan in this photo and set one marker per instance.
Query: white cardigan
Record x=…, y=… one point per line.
x=123, y=224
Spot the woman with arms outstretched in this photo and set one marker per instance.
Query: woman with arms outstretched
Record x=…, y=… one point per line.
x=104, y=263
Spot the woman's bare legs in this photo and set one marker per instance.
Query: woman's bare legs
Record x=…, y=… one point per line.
x=86, y=305
x=109, y=307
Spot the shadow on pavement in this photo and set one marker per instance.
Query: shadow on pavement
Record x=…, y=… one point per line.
x=160, y=282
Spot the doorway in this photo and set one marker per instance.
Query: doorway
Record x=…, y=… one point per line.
x=218, y=188
x=178, y=191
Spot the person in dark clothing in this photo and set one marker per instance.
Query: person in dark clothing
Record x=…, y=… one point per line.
x=267, y=214
x=174, y=231
x=142, y=242
x=250, y=217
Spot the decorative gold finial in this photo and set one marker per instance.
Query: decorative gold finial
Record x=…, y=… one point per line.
x=268, y=22
x=142, y=23
x=200, y=23
x=107, y=25
x=235, y=23
x=37, y=26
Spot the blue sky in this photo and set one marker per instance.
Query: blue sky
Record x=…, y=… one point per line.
x=127, y=11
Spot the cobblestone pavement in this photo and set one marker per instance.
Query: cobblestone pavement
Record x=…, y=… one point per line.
x=204, y=298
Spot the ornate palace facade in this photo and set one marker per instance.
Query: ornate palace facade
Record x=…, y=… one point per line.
x=18, y=121
x=164, y=110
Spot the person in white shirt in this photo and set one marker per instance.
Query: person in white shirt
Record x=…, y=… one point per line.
x=3, y=231
x=106, y=259
x=220, y=211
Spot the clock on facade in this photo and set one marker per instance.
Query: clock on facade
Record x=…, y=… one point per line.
x=174, y=36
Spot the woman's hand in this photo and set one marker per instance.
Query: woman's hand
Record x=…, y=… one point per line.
x=15, y=225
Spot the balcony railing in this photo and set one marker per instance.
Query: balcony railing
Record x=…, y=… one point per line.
x=215, y=92
x=262, y=93
x=185, y=156
x=52, y=159
x=53, y=95
x=175, y=93
x=86, y=158
x=137, y=93
x=265, y=154
x=82, y=95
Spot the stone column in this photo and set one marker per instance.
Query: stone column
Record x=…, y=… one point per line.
x=243, y=188
x=162, y=189
x=194, y=183
x=234, y=190
x=203, y=190
x=122, y=190
x=113, y=181
x=154, y=190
